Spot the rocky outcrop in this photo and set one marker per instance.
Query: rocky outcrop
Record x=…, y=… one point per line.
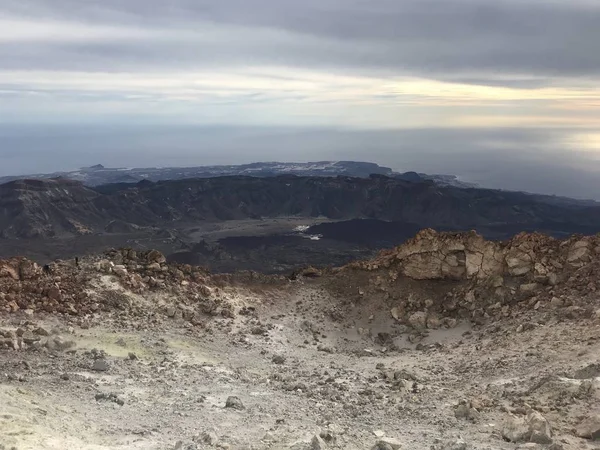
x=463, y=275
x=431, y=281
x=468, y=256
x=65, y=286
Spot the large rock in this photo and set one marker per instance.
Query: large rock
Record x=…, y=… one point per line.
x=579, y=253
x=589, y=428
x=317, y=443
x=234, y=403
x=6, y=270
x=154, y=256
x=120, y=271
x=530, y=428
x=518, y=262
x=418, y=320
x=431, y=255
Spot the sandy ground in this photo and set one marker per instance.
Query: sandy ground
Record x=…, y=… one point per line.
x=298, y=373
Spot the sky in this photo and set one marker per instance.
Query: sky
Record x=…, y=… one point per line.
x=505, y=93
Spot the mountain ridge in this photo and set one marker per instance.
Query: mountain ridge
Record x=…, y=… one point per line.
x=47, y=208
x=98, y=174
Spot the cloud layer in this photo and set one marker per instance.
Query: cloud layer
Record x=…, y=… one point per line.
x=423, y=53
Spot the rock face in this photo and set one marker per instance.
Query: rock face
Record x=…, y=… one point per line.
x=483, y=279
x=457, y=256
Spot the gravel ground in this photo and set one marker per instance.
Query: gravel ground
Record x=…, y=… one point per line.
x=285, y=374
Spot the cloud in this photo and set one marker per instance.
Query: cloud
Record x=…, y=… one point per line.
x=416, y=37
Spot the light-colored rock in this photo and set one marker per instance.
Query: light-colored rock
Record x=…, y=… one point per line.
x=578, y=253
x=541, y=431
x=418, y=320
x=433, y=322
x=589, y=428
x=104, y=266
x=387, y=443
x=208, y=438
x=454, y=444
x=154, y=267
x=317, y=443
x=515, y=429
x=530, y=446
x=533, y=427
x=529, y=288
x=120, y=271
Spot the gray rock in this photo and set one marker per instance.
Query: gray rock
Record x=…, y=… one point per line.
x=515, y=429
x=530, y=446
x=234, y=403
x=278, y=359
x=387, y=444
x=120, y=271
x=59, y=343
x=589, y=428
x=317, y=443
x=100, y=365
x=209, y=438
x=530, y=428
x=418, y=320
x=456, y=444
x=29, y=338
x=328, y=436
x=465, y=411
x=40, y=331
x=110, y=397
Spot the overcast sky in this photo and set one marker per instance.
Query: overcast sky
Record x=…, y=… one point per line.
x=475, y=82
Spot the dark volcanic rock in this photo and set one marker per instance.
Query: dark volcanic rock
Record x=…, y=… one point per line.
x=34, y=208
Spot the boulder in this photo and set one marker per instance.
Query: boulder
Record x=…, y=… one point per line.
x=317, y=443
x=234, y=402
x=519, y=263
x=589, y=428
x=120, y=271
x=530, y=428
x=154, y=256
x=418, y=320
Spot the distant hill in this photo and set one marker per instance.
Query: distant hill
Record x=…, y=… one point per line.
x=45, y=208
x=98, y=174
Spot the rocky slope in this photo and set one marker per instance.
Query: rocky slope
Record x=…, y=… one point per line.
x=434, y=278
x=446, y=342
x=461, y=275
x=57, y=207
